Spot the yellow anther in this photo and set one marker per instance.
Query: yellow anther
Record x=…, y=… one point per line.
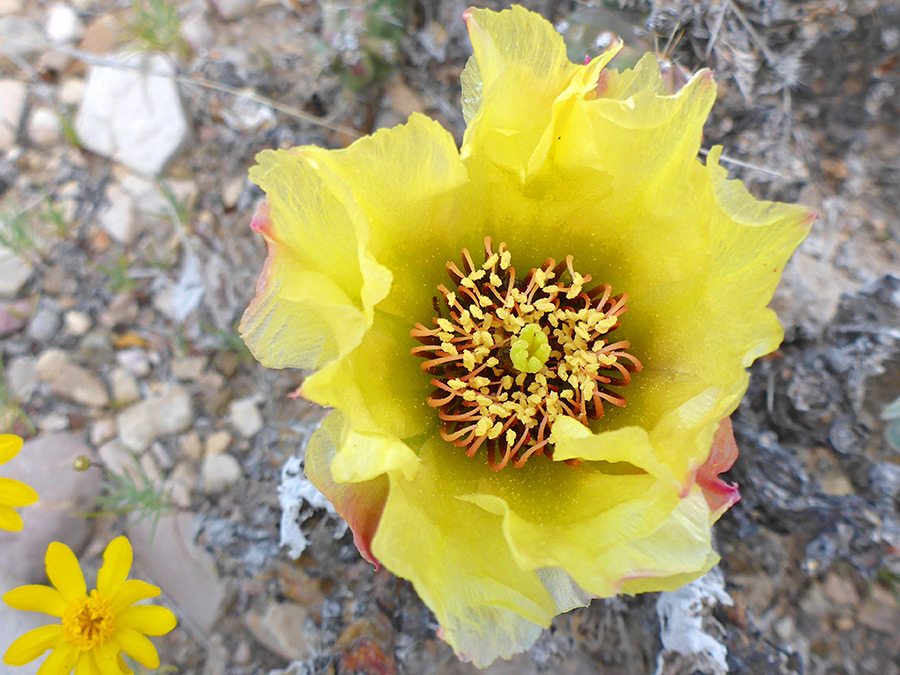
x=493, y=362
x=475, y=310
x=456, y=384
x=505, y=259
x=483, y=426
x=496, y=430
x=451, y=299
x=468, y=360
x=506, y=382
x=477, y=275
x=498, y=410
x=469, y=395
x=484, y=301
x=510, y=437
x=450, y=348
x=445, y=325
x=495, y=280
x=468, y=283
x=540, y=277
x=490, y=262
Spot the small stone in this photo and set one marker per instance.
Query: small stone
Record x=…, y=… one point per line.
x=122, y=310
x=53, y=422
x=10, y=7
x=23, y=37
x=840, y=590
x=76, y=323
x=180, y=483
x=218, y=472
x=44, y=324
x=150, y=469
x=131, y=117
x=44, y=128
x=14, y=316
x=117, y=217
x=51, y=363
x=242, y=653
x=102, y=34
x=118, y=459
x=95, y=349
x=46, y=464
x=191, y=446
x=124, y=387
x=173, y=560
x=232, y=192
x=102, y=430
x=14, y=271
x=135, y=361
x=22, y=377
x=167, y=411
x=232, y=9
x=880, y=611
x=63, y=25
x=198, y=31
x=71, y=90
x=286, y=629
x=244, y=417
x=79, y=385
x=189, y=367
x=13, y=95
x=217, y=443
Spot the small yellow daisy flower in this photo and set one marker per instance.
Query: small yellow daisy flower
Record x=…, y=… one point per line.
x=12, y=492
x=95, y=627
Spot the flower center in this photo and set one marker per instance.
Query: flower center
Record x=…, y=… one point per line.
x=89, y=622
x=514, y=354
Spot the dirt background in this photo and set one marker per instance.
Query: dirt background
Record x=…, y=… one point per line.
x=119, y=312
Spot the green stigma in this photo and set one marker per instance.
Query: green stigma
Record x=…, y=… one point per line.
x=530, y=351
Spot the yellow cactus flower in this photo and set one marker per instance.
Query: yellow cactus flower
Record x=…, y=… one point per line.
x=13, y=493
x=96, y=627
x=531, y=344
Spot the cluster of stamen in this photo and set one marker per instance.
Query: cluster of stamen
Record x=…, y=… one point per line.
x=514, y=354
x=89, y=622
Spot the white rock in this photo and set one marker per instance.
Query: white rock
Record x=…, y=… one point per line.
x=14, y=622
x=22, y=377
x=167, y=411
x=233, y=9
x=286, y=629
x=22, y=37
x=44, y=325
x=198, y=31
x=219, y=471
x=76, y=323
x=180, y=483
x=130, y=116
x=218, y=442
x=53, y=422
x=45, y=463
x=117, y=216
x=190, y=445
x=102, y=430
x=63, y=25
x=71, y=90
x=244, y=416
x=14, y=271
x=44, y=128
x=189, y=367
x=10, y=7
x=124, y=387
x=135, y=361
x=50, y=364
x=79, y=385
x=13, y=95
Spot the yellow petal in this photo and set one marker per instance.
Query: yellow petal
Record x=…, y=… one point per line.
x=36, y=598
x=147, y=619
x=60, y=661
x=137, y=646
x=87, y=664
x=32, y=644
x=9, y=447
x=9, y=519
x=16, y=493
x=106, y=658
x=319, y=283
x=455, y=555
x=130, y=592
x=64, y=571
x=117, y=560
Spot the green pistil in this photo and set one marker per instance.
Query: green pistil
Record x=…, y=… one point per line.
x=530, y=351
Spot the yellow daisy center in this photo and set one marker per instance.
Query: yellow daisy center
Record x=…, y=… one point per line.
x=89, y=622
x=513, y=354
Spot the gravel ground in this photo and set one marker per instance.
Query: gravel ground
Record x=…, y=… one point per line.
x=126, y=260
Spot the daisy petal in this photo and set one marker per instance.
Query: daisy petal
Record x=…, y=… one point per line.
x=60, y=660
x=130, y=592
x=86, y=665
x=32, y=644
x=64, y=571
x=117, y=560
x=36, y=598
x=9, y=447
x=106, y=658
x=9, y=519
x=137, y=646
x=15, y=493
x=147, y=619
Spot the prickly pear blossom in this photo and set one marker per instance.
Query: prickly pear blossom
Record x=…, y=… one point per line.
x=531, y=344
